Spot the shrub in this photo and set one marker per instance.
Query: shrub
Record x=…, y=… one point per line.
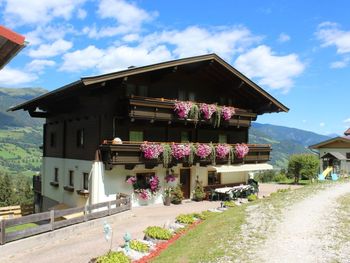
x=280, y=177
x=185, y=219
x=265, y=177
x=139, y=246
x=283, y=190
x=158, y=232
x=229, y=204
x=198, y=193
x=177, y=195
x=113, y=257
x=252, y=197
x=200, y=216
x=303, y=166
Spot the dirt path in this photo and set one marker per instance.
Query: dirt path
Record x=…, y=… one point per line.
x=305, y=231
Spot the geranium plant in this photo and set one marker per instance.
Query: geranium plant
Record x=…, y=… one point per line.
x=241, y=150
x=144, y=194
x=222, y=150
x=154, y=184
x=131, y=180
x=182, y=108
x=203, y=151
x=207, y=110
x=179, y=151
x=227, y=112
x=151, y=150
x=170, y=178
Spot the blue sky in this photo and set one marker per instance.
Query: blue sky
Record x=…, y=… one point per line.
x=299, y=51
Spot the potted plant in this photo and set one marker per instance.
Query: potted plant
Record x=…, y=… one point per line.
x=167, y=196
x=198, y=193
x=177, y=195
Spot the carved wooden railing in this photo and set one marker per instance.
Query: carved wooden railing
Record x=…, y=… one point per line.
x=129, y=154
x=159, y=109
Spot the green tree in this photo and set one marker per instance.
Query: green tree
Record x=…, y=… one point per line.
x=6, y=190
x=303, y=166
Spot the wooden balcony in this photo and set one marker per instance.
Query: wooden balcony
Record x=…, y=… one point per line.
x=129, y=154
x=155, y=109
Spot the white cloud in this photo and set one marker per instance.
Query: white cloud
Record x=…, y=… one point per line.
x=322, y=124
x=347, y=121
x=48, y=33
x=38, y=65
x=196, y=41
x=81, y=13
x=51, y=50
x=23, y=12
x=283, y=37
x=127, y=18
x=13, y=77
x=276, y=72
x=338, y=64
x=330, y=34
x=113, y=58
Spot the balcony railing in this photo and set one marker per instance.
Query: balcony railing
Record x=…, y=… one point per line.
x=130, y=154
x=159, y=109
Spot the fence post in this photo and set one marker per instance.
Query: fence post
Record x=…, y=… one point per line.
x=109, y=208
x=52, y=219
x=2, y=234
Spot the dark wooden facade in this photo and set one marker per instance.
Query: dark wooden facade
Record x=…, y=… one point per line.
x=80, y=116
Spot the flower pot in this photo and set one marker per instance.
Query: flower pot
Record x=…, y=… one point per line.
x=167, y=200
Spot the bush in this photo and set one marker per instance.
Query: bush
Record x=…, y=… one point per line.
x=304, y=166
x=265, y=177
x=280, y=177
x=157, y=232
x=113, y=257
x=139, y=246
x=229, y=204
x=252, y=197
x=177, y=195
x=198, y=193
x=185, y=219
x=200, y=216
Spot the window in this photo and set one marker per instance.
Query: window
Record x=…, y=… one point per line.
x=85, y=181
x=142, y=180
x=136, y=136
x=71, y=178
x=142, y=91
x=213, y=178
x=182, y=95
x=80, y=138
x=130, y=89
x=55, y=178
x=347, y=155
x=53, y=139
x=222, y=138
x=191, y=96
x=185, y=136
x=187, y=95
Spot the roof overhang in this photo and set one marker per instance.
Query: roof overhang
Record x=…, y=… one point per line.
x=242, y=168
x=210, y=58
x=335, y=155
x=325, y=143
x=10, y=44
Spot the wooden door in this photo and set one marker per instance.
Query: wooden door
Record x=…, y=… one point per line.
x=185, y=181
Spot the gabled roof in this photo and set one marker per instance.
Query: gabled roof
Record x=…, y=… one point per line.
x=345, y=139
x=10, y=44
x=335, y=155
x=86, y=81
x=347, y=132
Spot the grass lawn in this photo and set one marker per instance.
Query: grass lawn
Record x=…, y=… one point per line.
x=20, y=227
x=291, y=181
x=203, y=243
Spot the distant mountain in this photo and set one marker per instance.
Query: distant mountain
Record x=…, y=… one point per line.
x=13, y=96
x=285, y=141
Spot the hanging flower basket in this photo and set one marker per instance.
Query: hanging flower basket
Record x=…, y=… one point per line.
x=207, y=110
x=241, y=150
x=227, y=112
x=203, y=151
x=182, y=108
x=180, y=151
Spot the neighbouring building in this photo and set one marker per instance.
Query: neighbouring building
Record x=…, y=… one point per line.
x=334, y=154
x=83, y=164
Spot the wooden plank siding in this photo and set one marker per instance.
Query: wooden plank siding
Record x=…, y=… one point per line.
x=54, y=219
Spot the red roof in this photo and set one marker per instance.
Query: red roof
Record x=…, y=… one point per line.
x=10, y=44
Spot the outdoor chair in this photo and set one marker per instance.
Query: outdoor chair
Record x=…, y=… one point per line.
x=213, y=196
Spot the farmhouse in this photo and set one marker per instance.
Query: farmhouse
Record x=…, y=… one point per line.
x=334, y=155
x=140, y=130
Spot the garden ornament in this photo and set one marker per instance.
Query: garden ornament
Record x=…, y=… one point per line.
x=127, y=239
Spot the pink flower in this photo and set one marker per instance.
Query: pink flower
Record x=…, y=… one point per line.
x=241, y=150
x=227, y=112
x=207, y=110
x=203, y=150
x=170, y=178
x=222, y=150
x=144, y=194
x=131, y=180
x=151, y=150
x=183, y=108
x=154, y=184
x=180, y=151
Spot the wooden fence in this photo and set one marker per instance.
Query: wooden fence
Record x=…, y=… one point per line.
x=15, y=211
x=54, y=219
